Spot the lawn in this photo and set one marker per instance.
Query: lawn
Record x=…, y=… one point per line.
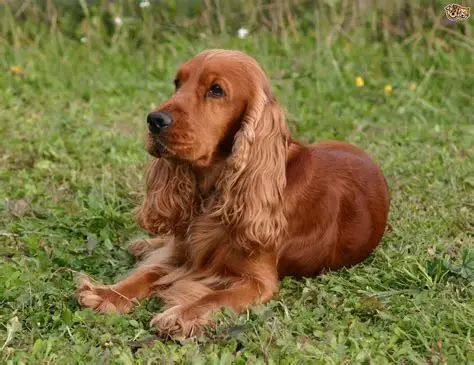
x=72, y=162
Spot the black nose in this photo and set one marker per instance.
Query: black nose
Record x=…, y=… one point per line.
x=158, y=120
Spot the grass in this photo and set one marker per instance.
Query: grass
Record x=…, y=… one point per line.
x=72, y=163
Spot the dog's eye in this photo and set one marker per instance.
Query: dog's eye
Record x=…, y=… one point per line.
x=216, y=91
x=176, y=84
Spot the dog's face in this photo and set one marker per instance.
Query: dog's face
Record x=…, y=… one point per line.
x=199, y=121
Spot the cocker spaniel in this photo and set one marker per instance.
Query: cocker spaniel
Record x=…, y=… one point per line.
x=233, y=203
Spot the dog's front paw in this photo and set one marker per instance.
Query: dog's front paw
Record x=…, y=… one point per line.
x=143, y=247
x=179, y=322
x=103, y=299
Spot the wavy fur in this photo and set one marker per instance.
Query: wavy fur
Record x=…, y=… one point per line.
x=240, y=202
x=251, y=190
x=168, y=205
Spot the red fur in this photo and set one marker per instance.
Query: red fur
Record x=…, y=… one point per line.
x=241, y=203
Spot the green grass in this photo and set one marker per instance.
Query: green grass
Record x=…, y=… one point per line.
x=72, y=161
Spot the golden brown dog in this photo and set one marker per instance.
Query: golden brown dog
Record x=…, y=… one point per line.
x=234, y=203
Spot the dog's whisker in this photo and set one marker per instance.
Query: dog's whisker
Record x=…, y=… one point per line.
x=167, y=149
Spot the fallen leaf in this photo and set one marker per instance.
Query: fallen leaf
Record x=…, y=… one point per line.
x=17, y=70
x=13, y=326
x=18, y=208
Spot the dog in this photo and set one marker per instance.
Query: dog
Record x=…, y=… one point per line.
x=233, y=203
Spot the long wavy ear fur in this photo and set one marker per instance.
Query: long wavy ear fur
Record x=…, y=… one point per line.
x=169, y=200
x=252, y=188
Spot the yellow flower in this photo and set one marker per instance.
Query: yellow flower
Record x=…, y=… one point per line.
x=412, y=86
x=17, y=70
x=387, y=89
x=359, y=81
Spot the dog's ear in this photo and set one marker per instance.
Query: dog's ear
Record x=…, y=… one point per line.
x=169, y=202
x=252, y=188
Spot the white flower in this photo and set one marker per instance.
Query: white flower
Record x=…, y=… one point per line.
x=118, y=21
x=144, y=4
x=242, y=33
x=84, y=40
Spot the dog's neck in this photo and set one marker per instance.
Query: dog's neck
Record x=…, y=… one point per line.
x=207, y=177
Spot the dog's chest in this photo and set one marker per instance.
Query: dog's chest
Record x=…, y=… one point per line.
x=206, y=198
x=207, y=191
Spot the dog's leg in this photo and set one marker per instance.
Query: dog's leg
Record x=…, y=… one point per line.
x=187, y=317
x=122, y=296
